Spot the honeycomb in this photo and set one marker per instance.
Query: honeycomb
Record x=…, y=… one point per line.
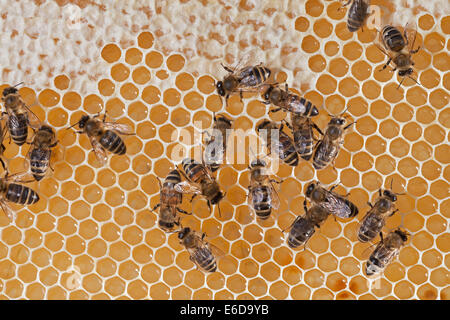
x=93, y=235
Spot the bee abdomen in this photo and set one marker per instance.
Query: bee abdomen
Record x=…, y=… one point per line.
x=205, y=260
x=304, y=143
x=370, y=228
x=18, y=128
x=301, y=231
x=356, y=15
x=39, y=162
x=21, y=194
x=374, y=265
x=288, y=153
x=172, y=178
x=262, y=74
x=112, y=142
x=214, y=166
x=393, y=38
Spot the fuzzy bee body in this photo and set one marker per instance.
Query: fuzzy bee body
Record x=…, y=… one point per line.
x=283, y=146
x=169, y=200
x=392, y=38
x=330, y=201
x=385, y=252
x=357, y=14
x=374, y=221
x=199, y=250
x=249, y=78
x=328, y=147
x=40, y=153
x=216, y=146
x=289, y=101
x=104, y=135
x=302, y=129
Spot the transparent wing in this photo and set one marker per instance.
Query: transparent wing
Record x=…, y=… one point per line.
x=411, y=35
x=8, y=211
x=275, y=197
x=119, y=127
x=187, y=187
x=33, y=119
x=20, y=177
x=99, y=151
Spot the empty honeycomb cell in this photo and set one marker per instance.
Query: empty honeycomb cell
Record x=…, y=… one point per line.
x=120, y=72
x=441, y=60
x=154, y=59
x=348, y=87
x=338, y=67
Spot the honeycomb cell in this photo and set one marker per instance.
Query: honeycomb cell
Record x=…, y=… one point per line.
x=301, y=24
x=338, y=67
x=120, y=72
x=331, y=48
x=310, y=44
x=48, y=98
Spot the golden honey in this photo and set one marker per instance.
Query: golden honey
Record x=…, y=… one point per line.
x=96, y=225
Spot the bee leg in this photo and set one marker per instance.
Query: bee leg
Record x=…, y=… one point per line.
x=304, y=206
x=415, y=51
x=241, y=95
x=344, y=5
x=349, y=125
x=156, y=207
x=3, y=164
x=393, y=212
x=275, y=110
x=193, y=197
x=182, y=211
x=287, y=124
x=226, y=68
x=385, y=66
x=370, y=205
x=381, y=236
x=316, y=127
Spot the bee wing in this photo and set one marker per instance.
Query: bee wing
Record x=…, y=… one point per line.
x=99, y=151
x=275, y=197
x=33, y=119
x=187, y=187
x=8, y=211
x=119, y=127
x=411, y=35
x=381, y=48
x=336, y=205
x=20, y=177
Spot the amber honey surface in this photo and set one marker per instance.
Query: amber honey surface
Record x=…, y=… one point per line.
x=93, y=234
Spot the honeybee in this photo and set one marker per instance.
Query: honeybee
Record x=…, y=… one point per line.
x=200, y=181
x=303, y=227
x=11, y=190
x=40, y=152
x=216, y=146
x=375, y=219
x=357, y=14
x=17, y=115
x=200, y=251
x=330, y=201
x=103, y=135
x=262, y=195
x=249, y=78
x=169, y=200
x=399, y=49
x=327, y=149
x=288, y=101
x=2, y=146
x=302, y=129
x=283, y=146
x=386, y=250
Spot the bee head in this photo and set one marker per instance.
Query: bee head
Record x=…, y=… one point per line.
x=166, y=225
x=220, y=89
x=258, y=163
x=183, y=233
x=403, y=235
x=309, y=189
x=219, y=196
x=47, y=128
x=270, y=93
x=337, y=121
x=389, y=194
x=9, y=90
x=406, y=72
x=83, y=121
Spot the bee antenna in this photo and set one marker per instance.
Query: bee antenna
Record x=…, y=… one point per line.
x=73, y=125
x=400, y=84
x=18, y=84
x=414, y=80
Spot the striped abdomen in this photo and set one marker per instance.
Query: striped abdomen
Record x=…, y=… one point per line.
x=303, y=140
x=18, y=128
x=325, y=153
x=194, y=170
x=301, y=106
x=254, y=76
x=380, y=258
x=20, y=194
x=370, y=226
x=168, y=194
x=112, y=142
x=262, y=201
x=287, y=151
x=301, y=231
x=357, y=15
x=204, y=258
x=39, y=162
x=393, y=39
